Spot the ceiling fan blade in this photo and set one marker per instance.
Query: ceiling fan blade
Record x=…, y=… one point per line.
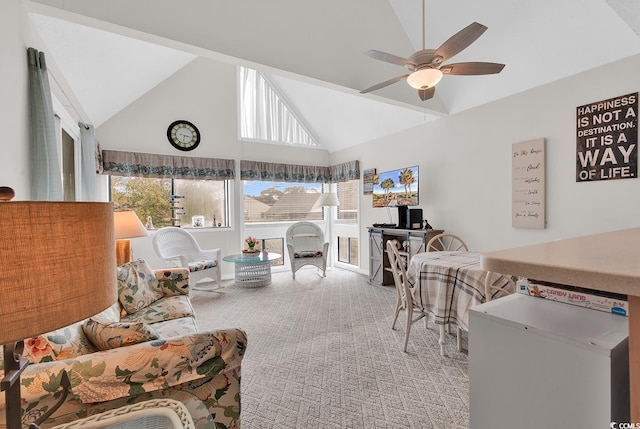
x=426, y=94
x=472, y=68
x=385, y=83
x=389, y=58
x=460, y=41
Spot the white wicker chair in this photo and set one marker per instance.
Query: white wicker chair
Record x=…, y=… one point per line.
x=178, y=248
x=306, y=246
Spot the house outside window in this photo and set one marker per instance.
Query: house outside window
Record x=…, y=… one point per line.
x=281, y=201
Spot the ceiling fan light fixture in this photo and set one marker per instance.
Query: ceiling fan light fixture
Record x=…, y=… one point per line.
x=424, y=78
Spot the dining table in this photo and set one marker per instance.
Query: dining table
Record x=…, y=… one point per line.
x=447, y=284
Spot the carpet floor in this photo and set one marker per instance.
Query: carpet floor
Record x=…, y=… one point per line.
x=321, y=354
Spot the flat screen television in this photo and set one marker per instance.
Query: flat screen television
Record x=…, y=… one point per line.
x=396, y=188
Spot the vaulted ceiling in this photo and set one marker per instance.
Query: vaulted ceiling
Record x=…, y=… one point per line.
x=313, y=51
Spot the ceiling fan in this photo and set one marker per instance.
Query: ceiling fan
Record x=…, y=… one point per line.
x=426, y=65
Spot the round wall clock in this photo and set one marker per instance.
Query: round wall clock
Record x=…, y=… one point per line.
x=183, y=135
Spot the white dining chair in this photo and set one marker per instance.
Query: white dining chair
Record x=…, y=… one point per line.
x=404, y=297
x=446, y=242
x=449, y=243
x=494, y=290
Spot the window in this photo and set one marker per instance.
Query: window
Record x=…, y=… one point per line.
x=199, y=202
x=348, y=250
x=68, y=166
x=281, y=201
x=348, y=198
x=274, y=245
x=68, y=140
x=348, y=218
x=266, y=116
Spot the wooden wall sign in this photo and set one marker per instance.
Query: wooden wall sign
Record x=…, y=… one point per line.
x=528, y=184
x=607, y=139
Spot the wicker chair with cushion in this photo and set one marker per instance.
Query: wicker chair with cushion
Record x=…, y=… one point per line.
x=178, y=248
x=306, y=246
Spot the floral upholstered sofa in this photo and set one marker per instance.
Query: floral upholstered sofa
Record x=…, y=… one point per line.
x=146, y=346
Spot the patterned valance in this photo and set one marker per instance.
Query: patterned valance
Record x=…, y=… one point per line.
x=178, y=167
x=269, y=171
x=345, y=171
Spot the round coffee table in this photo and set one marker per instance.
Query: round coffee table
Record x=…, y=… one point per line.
x=252, y=269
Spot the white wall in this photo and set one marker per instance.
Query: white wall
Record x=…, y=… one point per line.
x=203, y=92
x=465, y=165
x=14, y=35
x=464, y=159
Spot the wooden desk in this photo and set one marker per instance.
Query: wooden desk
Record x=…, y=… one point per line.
x=416, y=241
x=608, y=261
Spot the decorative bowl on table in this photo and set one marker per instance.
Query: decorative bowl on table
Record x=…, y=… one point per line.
x=254, y=250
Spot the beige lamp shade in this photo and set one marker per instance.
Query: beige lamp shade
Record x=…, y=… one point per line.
x=329, y=199
x=58, y=265
x=128, y=225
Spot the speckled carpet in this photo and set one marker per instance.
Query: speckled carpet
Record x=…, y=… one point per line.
x=321, y=354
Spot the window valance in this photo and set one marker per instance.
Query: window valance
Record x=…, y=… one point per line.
x=345, y=171
x=274, y=172
x=120, y=163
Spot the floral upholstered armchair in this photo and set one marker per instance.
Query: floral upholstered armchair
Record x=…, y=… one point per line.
x=147, y=346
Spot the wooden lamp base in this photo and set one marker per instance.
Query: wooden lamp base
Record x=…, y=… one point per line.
x=123, y=251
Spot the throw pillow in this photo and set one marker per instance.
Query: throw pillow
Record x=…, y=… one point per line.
x=307, y=254
x=107, y=336
x=138, y=286
x=64, y=343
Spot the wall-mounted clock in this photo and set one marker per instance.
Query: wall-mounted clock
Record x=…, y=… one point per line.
x=183, y=135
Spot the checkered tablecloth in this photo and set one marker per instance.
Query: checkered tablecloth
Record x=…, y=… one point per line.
x=448, y=284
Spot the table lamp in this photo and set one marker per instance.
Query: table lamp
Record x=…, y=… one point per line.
x=127, y=225
x=329, y=199
x=58, y=268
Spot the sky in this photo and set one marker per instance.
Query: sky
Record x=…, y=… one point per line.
x=254, y=187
